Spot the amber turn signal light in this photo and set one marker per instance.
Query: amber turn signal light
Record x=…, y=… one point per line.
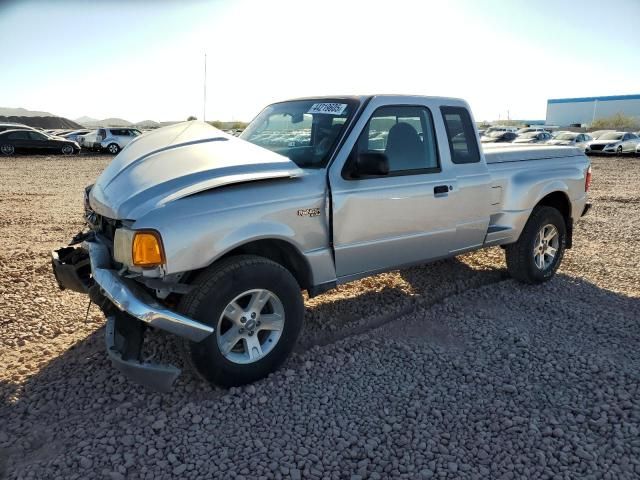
x=147, y=249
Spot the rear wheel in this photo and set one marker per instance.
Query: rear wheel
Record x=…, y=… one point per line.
x=113, y=148
x=256, y=309
x=7, y=149
x=536, y=256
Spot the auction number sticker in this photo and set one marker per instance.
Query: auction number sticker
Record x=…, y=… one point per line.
x=328, y=108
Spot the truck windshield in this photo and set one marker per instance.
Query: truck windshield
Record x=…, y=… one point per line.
x=305, y=131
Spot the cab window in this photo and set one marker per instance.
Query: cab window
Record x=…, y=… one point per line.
x=405, y=134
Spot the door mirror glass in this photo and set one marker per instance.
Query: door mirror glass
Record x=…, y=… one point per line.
x=371, y=163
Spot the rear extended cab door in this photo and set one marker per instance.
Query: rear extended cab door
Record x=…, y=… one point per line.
x=474, y=196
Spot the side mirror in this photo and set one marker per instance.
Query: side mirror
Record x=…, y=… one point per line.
x=371, y=163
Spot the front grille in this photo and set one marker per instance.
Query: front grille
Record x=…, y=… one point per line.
x=597, y=147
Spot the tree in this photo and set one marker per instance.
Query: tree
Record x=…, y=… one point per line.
x=191, y=117
x=619, y=121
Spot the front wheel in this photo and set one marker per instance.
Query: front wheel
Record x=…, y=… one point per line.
x=620, y=150
x=113, y=148
x=67, y=150
x=536, y=256
x=7, y=149
x=256, y=309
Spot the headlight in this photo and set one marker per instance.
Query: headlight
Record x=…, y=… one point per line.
x=140, y=248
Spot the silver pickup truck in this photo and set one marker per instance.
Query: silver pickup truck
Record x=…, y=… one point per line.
x=212, y=237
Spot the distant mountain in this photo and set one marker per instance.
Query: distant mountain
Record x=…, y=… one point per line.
x=147, y=124
x=108, y=122
x=85, y=119
x=22, y=112
x=44, y=122
x=35, y=118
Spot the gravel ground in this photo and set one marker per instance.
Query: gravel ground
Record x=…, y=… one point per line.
x=451, y=370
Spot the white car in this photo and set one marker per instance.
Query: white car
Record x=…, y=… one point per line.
x=115, y=139
x=571, y=139
x=88, y=140
x=533, y=137
x=532, y=129
x=614, y=143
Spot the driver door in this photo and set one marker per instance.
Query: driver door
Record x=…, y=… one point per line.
x=386, y=221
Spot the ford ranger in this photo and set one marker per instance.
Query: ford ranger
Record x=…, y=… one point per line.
x=213, y=238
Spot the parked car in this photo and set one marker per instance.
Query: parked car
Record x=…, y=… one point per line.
x=598, y=133
x=212, y=237
x=533, y=137
x=74, y=134
x=115, y=139
x=532, y=129
x=14, y=126
x=34, y=142
x=614, y=143
x=88, y=141
x=500, y=128
x=571, y=139
x=499, y=136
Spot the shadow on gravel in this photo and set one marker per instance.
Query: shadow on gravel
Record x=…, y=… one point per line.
x=59, y=410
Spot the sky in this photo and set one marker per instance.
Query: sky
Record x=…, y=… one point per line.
x=143, y=60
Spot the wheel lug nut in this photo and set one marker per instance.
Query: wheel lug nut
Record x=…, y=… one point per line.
x=241, y=330
x=243, y=319
x=250, y=333
x=253, y=315
x=258, y=323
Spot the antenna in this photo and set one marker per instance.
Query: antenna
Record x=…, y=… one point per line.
x=204, y=98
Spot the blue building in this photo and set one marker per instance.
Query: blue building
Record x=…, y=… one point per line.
x=583, y=111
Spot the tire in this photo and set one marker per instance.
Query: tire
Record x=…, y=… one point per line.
x=210, y=301
x=7, y=150
x=67, y=150
x=113, y=148
x=523, y=257
x=620, y=150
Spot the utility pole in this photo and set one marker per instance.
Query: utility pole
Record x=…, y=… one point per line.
x=204, y=99
x=595, y=106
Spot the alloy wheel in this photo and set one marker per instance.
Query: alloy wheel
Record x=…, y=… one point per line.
x=546, y=246
x=7, y=149
x=250, y=326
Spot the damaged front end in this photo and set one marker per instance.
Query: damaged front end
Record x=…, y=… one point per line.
x=86, y=266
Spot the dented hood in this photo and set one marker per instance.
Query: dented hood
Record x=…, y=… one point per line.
x=178, y=161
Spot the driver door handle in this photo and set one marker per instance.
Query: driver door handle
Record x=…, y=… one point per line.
x=441, y=190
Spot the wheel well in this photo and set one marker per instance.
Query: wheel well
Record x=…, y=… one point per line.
x=560, y=202
x=281, y=252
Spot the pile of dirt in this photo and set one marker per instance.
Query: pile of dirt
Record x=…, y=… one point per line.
x=41, y=122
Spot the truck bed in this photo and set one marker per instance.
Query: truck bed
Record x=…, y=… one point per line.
x=506, y=152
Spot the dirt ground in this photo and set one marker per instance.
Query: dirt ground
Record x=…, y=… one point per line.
x=475, y=351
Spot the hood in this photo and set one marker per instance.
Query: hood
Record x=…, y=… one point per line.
x=604, y=142
x=560, y=142
x=177, y=161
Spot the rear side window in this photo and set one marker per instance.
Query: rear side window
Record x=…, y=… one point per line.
x=461, y=134
x=18, y=136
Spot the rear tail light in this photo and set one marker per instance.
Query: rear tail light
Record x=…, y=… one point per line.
x=587, y=179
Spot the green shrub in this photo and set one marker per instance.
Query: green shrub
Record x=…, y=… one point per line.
x=619, y=121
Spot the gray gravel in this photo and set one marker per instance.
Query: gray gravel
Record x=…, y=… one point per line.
x=444, y=371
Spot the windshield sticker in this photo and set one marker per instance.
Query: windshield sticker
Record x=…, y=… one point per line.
x=328, y=108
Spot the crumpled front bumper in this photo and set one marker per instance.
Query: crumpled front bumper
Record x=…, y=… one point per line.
x=129, y=310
